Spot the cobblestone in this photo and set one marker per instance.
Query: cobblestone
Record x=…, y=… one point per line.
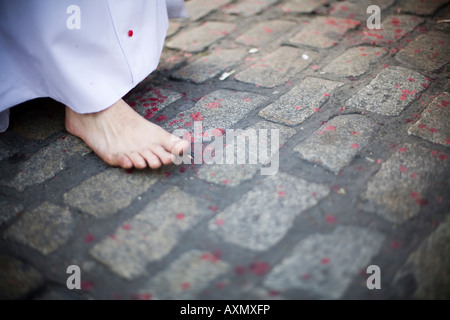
x=355, y=61
x=210, y=66
x=323, y=32
x=434, y=123
x=301, y=102
x=326, y=264
x=231, y=175
x=197, y=9
x=429, y=265
x=301, y=6
x=277, y=67
x=151, y=234
x=420, y=7
x=46, y=163
x=45, y=228
x=250, y=222
x=393, y=28
x=265, y=32
x=390, y=92
x=199, y=38
x=109, y=191
x=17, y=279
x=248, y=8
x=337, y=142
x=220, y=109
x=187, y=276
x=398, y=190
x=428, y=52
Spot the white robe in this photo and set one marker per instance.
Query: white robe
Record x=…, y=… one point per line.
x=87, y=61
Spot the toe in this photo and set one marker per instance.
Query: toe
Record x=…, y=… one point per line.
x=164, y=156
x=138, y=161
x=152, y=160
x=123, y=161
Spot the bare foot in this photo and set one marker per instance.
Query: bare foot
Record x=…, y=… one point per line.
x=121, y=137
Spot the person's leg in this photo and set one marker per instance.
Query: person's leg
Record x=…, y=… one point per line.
x=121, y=137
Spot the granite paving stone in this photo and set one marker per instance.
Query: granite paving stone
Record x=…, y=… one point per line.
x=420, y=7
x=208, y=67
x=46, y=228
x=151, y=234
x=187, y=276
x=199, y=38
x=434, y=122
x=392, y=90
x=428, y=52
x=429, y=265
x=108, y=192
x=231, y=175
x=355, y=61
x=197, y=9
x=17, y=279
x=336, y=143
x=323, y=32
x=248, y=8
x=251, y=223
x=220, y=109
x=265, y=32
x=46, y=163
x=301, y=102
x=399, y=190
x=277, y=67
x=325, y=264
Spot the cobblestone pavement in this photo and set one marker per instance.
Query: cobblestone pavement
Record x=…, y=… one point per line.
x=363, y=121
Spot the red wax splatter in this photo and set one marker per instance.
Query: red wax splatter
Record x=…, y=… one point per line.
x=330, y=218
x=126, y=226
x=180, y=216
x=88, y=238
x=434, y=130
x=130, y=33
x=325, y=261
x=185, y=285
x=197, y=116
x=259, y=268
x=87, y=285
x=305, y=276
x=395, y=245
x=220, y=222
x=142, y=296
x=355, y=146
x=213, y=208
x=240, y=270
x=281, y=193
x=422, y=126
x=212, y=105
x=402, y=149
x=210, y=257
x=330, y=128
x=403, y=169
x=161, y=118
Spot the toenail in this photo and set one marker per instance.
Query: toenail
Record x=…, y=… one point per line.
x=130, y=33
